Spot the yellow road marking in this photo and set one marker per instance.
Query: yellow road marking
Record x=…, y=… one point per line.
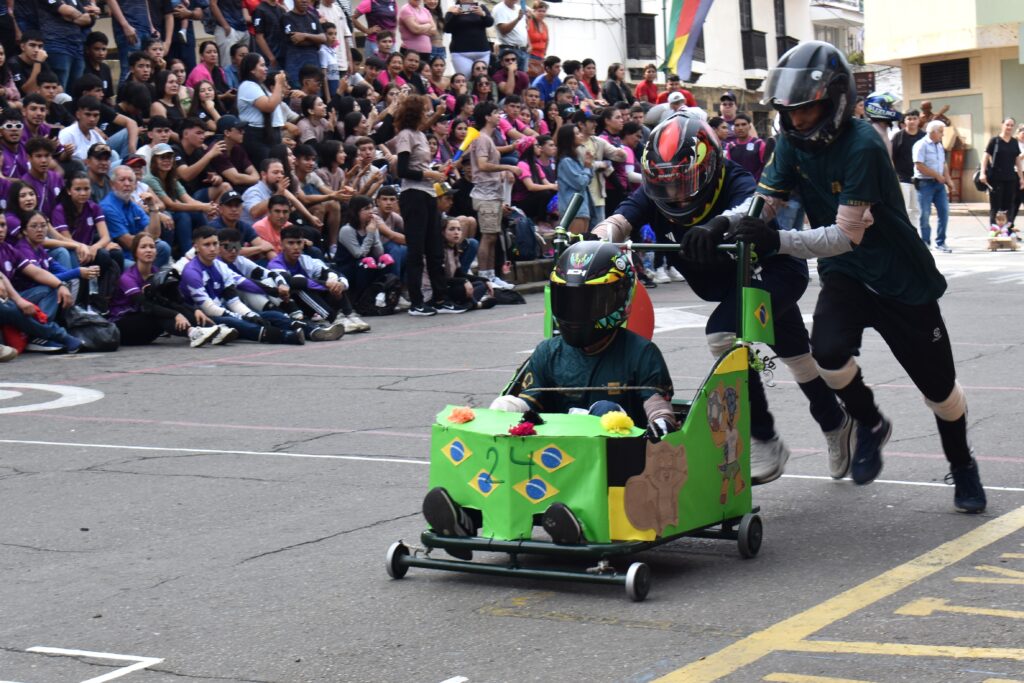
x=927, y=606
x=1001, y=680
x=1012, y=556
x=987, y=579
x=790, y=631
x=1001, y=571
x=905, y=649
x=799, y=678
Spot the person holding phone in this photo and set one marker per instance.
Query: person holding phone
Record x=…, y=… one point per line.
x=508, y=19
x=258, y=107
x=468, y=23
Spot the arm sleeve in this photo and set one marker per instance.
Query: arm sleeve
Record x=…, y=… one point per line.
x=403, y=168
x=348, y=239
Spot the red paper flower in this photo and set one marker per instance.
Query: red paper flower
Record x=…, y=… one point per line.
x=522, y=429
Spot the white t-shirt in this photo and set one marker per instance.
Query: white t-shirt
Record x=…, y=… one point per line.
x=249, y=92
x=503, y=14
x=73, y=135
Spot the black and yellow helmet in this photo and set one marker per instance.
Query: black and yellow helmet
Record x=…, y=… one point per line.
x=591, y=292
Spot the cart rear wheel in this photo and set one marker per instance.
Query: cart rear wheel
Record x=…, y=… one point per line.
x=638, y=581
x=393, y=564
x=749, y=535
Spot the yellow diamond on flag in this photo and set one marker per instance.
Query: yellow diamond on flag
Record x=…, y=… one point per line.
x=762, y=315
x=457, y=452
x=483, y=483
x=552, y=458
x=535, y=489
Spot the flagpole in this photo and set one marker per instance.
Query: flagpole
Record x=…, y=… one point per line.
x=664, y=19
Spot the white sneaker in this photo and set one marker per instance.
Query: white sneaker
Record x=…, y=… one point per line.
x=403, y=304
x=380, y=300
x=839, y=442
x=661, y=276
x=498, y=283
x=198, y=336
x=7, y=353
x=358, y=322
x=767, y=460
x=675, y=275
x=224, y=335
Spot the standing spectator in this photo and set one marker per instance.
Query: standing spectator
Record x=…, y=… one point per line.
x=647, y=89
x=574, y=176
x=537, y=34
x=746, y=149
x=231, y=19
x=258, y=107
x=727, y=110
x=333, y=60
x=548, y=82
x=416, y=26
x=380, y=16
x=508, y=19
x=490, y=177
x=418, y=204
x=615, y=88
x=603, y=154
x=28, y=65
x=63, y=23
x=303, y=36
x=469, y=35
x=96, y=63
x=183, y=40
x=1000, y=171
x=132, y=25
x=933, y=182
x=903, y=160
x=437, y=37
x=509, y=79
x=270, y=40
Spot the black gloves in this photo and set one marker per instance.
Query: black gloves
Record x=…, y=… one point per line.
x=755, y=231
x=657, y=429
x=700, y=243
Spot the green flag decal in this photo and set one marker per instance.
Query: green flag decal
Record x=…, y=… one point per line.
x=758, y=324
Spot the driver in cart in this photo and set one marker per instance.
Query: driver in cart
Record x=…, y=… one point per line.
x=594, y=366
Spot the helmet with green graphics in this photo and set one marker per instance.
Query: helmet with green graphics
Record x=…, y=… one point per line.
x=812, y=72
x=881, y=106
x=591, y=292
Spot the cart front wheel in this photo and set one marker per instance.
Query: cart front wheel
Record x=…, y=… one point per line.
x=638, y=581
x=394, y=565
x=749, y=535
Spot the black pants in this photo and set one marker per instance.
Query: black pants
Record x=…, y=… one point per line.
x=422, y=239
x=257, y=143
x=1003, y=197
x=916, y=335
x=139, y=329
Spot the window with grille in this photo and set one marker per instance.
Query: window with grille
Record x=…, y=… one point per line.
x=780, y=18
x=698, y=49
x=949, y=74
x=784, y=44
x=746, y=16
x=755, y=52
x=641, y=37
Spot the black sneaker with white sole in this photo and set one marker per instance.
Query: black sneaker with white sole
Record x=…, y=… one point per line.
x=451, y=307
x=422, y=310
x=562, y=525
x=447, y=518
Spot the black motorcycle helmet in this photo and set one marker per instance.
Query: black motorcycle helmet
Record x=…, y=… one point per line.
x=591, y=291
x=683, y=168
x=812, y=72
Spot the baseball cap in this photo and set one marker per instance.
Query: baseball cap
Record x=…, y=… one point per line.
x=99, y=150
x=162, y=149
x=583, y=115
x=226, y=123
x=676, y=97
x=442, y=189
x=134, y=160
x=230, y=196
x=727, y=95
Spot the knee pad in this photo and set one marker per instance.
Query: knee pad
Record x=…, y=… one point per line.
x=720, y=342
x=953, y=407
x=510, y=404
x=841, y=378
x=802, y=367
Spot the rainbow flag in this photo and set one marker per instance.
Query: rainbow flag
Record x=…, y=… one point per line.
x=685, y=21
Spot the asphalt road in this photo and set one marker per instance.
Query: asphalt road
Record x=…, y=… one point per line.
x=223, y=514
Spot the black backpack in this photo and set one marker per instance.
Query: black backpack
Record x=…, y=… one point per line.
x=390, y=286
x=96, y=332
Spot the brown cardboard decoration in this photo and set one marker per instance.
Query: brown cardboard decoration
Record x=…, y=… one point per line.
x=651, y=498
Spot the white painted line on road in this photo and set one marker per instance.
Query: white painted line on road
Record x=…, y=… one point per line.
x=68, y=396
x=455, y=679
x=902, y=483
x=140, y=662
x=401, y=461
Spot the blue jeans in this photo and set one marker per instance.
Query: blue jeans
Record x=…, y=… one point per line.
x=184, y=223
x=397, y=252
x=472, y=247
x=119, y=143
x=254, y=331
x=124, y=48
x=44, y=297
x=185, y=51
x=11, y=315
x=67, y=67
x=928, y=192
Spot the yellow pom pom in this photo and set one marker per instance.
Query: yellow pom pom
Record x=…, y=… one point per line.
x=617, y=422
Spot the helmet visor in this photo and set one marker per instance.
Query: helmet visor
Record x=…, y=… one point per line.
x=677, y=184
x=586, y=304
x=791, y=87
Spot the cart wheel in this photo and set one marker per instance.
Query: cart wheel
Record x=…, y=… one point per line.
x=749, y=535
x=395, y=567
x=638, y=581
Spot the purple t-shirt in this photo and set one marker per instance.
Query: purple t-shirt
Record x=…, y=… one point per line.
x=13, y=225
x=13, y=164
x=84, y=229
x=9, y=260
x=28, y=255
x=130, y=284
x=47, y=189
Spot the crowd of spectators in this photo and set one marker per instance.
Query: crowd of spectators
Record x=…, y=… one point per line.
x=276, y=182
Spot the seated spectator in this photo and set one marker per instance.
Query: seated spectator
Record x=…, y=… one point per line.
x=252, y=246
x=22, y=199
x=263, y=289
x=45, y=182
x=160, y=133
x=193, y=161
x=125, y=218
x=360, y=257
x=185, y=93
x=13, y=160
x=316, y=124
x=85, y=132
x=509, y=79
x=205, y=106
x=469, y=245
x=32, y=250
x=186, y=212
x=320, y=200
x=209, y=285
x=166, y=102
x=35, y=282
x=34, y=108
x=96, y=45
x=57, y=115
x=319, y=291
x=238, y=52
x=22, y=315
x=208, y=69
x=140, y=70
x=464, y=290
x=272, y=181
x=119, y=128
x=27, y=66
x=142, y=312
x=332, y=167
x=97, y=165
x=392, y=74
x=234, y=164
x=392, y=234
